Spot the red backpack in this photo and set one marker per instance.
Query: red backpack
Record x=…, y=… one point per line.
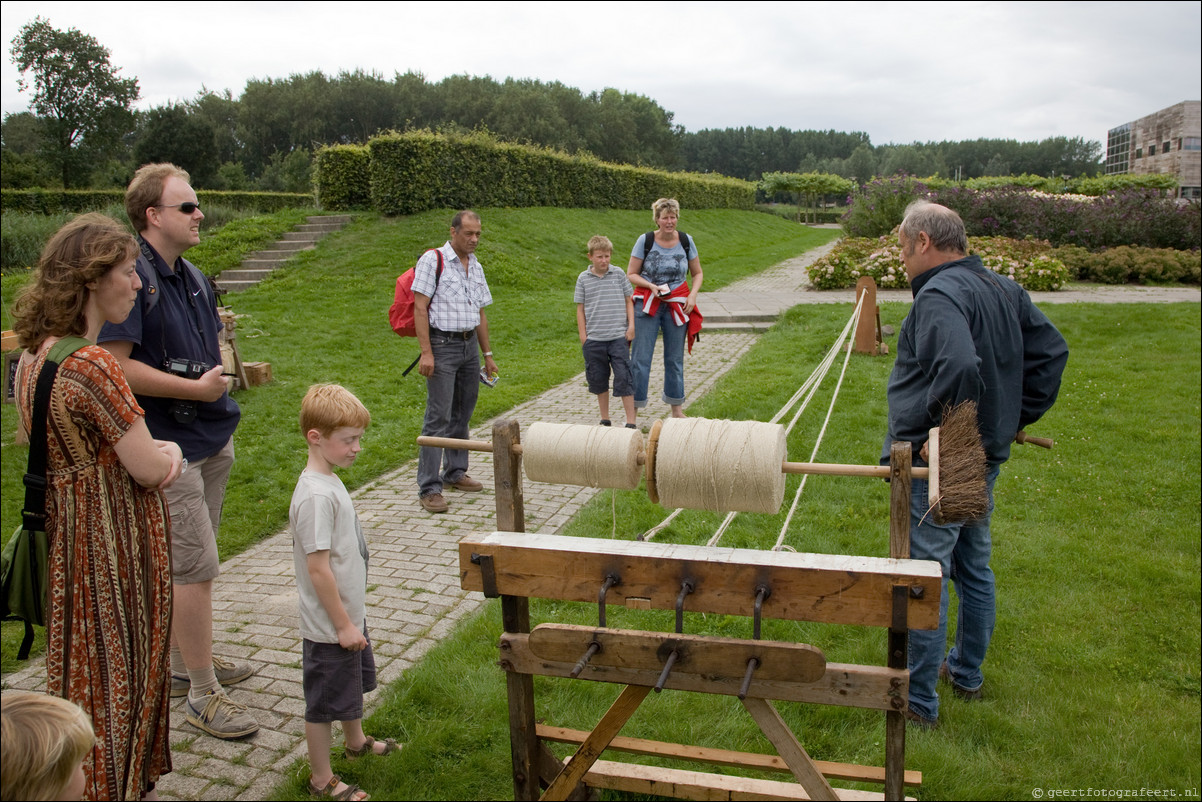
x=400, y=314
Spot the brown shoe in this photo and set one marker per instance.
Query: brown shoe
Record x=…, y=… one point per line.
x=960, y=691
x=434, y=503
x=920, y=722
x=466, y=484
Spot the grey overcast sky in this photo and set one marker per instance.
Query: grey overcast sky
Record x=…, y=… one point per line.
x=901, y=72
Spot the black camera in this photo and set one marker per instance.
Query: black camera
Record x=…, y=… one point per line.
x=184, y=411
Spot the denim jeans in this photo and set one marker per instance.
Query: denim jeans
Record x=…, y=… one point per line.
x=963, y=551
x=450, y=400
x=646, y=330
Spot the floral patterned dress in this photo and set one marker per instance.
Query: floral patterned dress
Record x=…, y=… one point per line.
x=109, y=609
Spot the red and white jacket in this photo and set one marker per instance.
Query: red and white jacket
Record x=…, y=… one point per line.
x=649, y=301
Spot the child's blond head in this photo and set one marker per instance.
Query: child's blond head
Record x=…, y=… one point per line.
x=44, y=739
x=327, y=407
x=599, y=243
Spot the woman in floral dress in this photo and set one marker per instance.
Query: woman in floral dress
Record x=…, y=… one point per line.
x=109, y=606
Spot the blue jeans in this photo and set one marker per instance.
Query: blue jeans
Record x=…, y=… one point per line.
x=963, y=551
x=646, y=330
x=450, y=400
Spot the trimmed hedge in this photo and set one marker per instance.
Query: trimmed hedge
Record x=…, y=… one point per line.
x=342, y=179
x=75, y=201
x=421, y=170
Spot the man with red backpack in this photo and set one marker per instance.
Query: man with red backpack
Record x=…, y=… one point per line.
x=452, y=332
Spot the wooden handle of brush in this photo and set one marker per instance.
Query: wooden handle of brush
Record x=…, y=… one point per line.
x=836, y=469
x=1023, y=437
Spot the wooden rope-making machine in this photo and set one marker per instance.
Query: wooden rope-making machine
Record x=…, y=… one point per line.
x=736, y=466
x=721, y=461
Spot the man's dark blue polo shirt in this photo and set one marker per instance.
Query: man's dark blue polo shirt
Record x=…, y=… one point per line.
x=176, y=316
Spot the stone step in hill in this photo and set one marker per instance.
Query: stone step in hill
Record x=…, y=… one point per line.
x=258, y=264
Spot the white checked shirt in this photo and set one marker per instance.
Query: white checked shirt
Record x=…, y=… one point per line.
x=456, y=304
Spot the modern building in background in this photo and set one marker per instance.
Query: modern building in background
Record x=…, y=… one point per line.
x=1169, y=141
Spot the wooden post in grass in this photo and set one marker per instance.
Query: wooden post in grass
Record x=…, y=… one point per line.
x=866, y=326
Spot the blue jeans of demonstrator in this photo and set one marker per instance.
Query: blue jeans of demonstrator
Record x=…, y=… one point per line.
x=646, y=331
x=963, y=550
x=450, y=400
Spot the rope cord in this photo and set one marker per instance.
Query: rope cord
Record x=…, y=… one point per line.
x=821, y=433
x=808, y=390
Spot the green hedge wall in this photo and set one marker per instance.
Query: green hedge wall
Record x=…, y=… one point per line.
x=74, y=201
x=417, y=171
x=341, y=177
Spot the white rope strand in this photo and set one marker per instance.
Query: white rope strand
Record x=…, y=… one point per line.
x=822, y=432
x=808, y=389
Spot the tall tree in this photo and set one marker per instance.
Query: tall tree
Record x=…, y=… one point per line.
x=86, y=105
x=171, y=134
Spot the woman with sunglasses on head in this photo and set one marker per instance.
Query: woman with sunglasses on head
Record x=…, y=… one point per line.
x=109, y=568
x=661, y=264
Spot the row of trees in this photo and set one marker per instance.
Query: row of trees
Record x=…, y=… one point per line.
x=83, y=130
x=751, y=153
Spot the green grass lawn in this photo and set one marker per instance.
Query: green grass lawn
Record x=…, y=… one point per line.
x=324, y=317
x=1093, y=675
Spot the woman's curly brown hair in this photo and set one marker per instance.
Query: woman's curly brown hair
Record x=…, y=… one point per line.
x=82, y=251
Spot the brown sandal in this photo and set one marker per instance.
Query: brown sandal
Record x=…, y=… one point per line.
x=348, y=795
x=390, y=746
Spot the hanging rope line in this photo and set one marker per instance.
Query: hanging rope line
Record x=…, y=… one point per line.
x=804, y=394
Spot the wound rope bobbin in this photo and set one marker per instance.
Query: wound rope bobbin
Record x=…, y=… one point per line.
x=720, y=465
x=586, y=456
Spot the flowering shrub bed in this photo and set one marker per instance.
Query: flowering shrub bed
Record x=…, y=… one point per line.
x=1133, y=217
x=1128, y=265
x=1029, y=262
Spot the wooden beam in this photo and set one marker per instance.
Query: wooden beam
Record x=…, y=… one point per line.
x=596, y=742
x=787, y=745
x=826, y=588
x=697, y=654
x=844, y=685
x=725, y=757
x=683, y=784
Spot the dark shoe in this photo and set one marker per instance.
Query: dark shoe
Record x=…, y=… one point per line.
x=920, y=722
x=369, y=748
x=605, y=422
x=434, y=503
x=960, y=691
x=632, y=426
x=350, y=793
x=466, y=484
x=227, y=671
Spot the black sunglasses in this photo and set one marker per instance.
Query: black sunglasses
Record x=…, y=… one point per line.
x=187, y=207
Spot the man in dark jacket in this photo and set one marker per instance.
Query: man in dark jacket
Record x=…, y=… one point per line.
x=970, y=335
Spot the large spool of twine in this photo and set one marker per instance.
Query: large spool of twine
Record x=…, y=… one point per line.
x=586, y=456
x=720, y=465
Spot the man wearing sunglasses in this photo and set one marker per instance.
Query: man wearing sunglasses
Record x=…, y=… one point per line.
x=169, y=349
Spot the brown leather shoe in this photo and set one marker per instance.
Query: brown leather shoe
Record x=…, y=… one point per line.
x=921, y=722
x=434, y=503
x=962, y=692
x=466, y=484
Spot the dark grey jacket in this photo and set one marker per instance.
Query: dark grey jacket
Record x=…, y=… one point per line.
x=973, y=335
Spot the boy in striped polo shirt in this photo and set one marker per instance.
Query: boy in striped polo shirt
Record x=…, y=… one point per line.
x=605, y=319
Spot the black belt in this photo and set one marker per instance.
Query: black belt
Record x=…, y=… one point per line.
x=458, y=335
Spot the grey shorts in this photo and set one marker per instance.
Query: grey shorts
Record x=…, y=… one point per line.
x=335, y=680
x=602, y=356
x=194, y=501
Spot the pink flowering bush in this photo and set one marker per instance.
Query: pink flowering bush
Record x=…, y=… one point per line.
x=1029, y=262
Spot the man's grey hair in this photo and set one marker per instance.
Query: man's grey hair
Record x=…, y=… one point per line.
x=943, y=226
x=466, y=214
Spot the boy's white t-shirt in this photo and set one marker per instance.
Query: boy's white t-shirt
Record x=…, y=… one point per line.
x=322, y=517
